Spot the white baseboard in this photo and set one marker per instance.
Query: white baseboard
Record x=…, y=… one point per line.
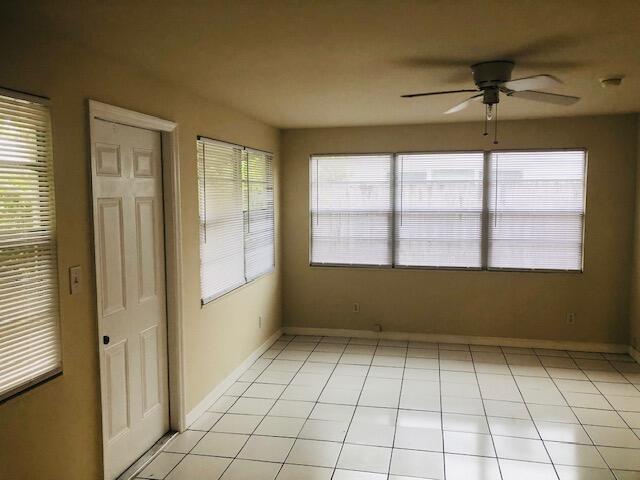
x=466, y=339
x=634, y=353
x=223, y=386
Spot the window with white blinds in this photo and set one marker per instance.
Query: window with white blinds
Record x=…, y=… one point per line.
x=351, y=209
x=30, y=348
x=520, y=210
x=221, y=218
x=536, y=209
x=438, y=204
x=236, y=216
x=257, y=177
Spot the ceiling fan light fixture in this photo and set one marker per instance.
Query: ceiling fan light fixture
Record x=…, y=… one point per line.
x=490, y=111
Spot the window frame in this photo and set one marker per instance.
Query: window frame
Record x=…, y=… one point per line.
x=222, y=293
x=484, y=204
x=584, y=208
x=392, y=179
x=484, y=247
x=273, y=212
x=57, y=371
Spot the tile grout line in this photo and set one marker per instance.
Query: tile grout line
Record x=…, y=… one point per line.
x=532, y=419
x=484, y=409
x=320, y=395
x=304, y=362
x=473, y=362
x=571, y=407
x=596, y=447
x=444, y=455
x=314, y=406
x=225, y=413
x=335, y=468
x=229, y=408
x=395, y=424
x=239, y=397
x=615, y=410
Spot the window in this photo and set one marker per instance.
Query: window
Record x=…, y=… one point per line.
x=439, y=209
x=257, y=187
x=521, y=210
x=236, y=216
x=29, y=319
x=536, y=209
x=351, y=209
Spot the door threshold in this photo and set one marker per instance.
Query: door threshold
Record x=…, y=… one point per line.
x=147, y=457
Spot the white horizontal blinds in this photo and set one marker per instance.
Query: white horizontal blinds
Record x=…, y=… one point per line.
x=29, y=318
x=351, y=209
x=221, y=218
x=536, y=209
x=257, y=179
x=438, y=203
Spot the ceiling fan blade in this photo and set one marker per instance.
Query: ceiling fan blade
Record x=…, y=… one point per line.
x=544, y=46
x=545, y=97
x=465, y=104
x=530, y=83
x=422, y=61
x=411, y=95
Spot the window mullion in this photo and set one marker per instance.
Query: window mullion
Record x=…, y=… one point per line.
x=485, y=211
x=245, y=230
x=392, y=184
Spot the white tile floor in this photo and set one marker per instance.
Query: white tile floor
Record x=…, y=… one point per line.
x=320, y=408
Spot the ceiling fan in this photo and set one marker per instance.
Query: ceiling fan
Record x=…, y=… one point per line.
x=493, y=78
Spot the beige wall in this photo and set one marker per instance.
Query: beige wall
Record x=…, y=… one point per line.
x=524, y=305
x=634, y=314
x=53, y=431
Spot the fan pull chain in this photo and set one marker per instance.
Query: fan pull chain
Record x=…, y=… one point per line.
x=495, y=128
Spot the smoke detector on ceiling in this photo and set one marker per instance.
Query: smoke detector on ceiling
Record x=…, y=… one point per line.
x=611, y=82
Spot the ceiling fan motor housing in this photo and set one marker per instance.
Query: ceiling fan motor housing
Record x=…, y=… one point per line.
x=490, y=74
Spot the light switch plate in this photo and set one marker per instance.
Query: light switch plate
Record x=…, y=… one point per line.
x=75, y=279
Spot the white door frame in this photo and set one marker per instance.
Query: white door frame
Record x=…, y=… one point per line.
x=173, y=251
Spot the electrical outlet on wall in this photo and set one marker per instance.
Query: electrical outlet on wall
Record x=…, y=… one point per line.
x=571, y=318
x=356, y=307
x=259, y=321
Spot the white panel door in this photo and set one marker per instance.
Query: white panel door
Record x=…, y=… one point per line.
x=129, y=249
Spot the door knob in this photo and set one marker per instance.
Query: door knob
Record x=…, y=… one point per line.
x=105, y=339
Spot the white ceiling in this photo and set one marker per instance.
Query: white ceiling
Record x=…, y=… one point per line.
x=346, y=62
